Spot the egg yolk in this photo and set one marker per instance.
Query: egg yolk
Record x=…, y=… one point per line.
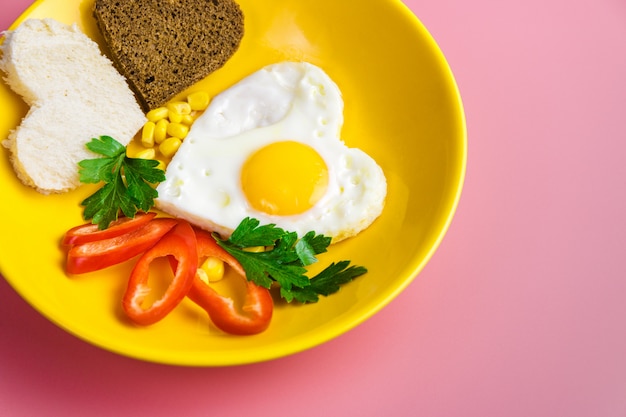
x=284, y=178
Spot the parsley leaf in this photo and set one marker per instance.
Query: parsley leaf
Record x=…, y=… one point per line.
x=127, y=182
x=328, y=281
x=249, y=234
x=285, y=262
x=263, y=268
x=311, y=245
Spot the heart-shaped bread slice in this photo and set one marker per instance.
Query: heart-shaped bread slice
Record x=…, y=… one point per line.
x=164, y=46
x=74, y=93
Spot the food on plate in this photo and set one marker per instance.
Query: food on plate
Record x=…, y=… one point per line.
x=283, y=259
x=74, y=94
x=269, y=148
x=132, y=171
x=164, y=46
x=255, y=314
x=281, y=262
x=91, y=232
x=179, y=244
x=99, y=254
x=128, y=182
x=167, y=127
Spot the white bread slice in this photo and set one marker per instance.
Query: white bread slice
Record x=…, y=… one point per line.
x=75, y=94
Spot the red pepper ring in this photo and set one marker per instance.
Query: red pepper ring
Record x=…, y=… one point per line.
x=255, y=314
x=179, y=243
x=100, y=254
x=90, y=232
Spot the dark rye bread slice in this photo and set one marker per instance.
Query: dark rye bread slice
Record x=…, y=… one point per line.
x=164, y=46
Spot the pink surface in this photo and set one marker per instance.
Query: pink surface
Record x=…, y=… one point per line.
x=521, y=311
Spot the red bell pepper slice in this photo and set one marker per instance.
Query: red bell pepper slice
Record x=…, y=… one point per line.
x=100, y=254
x=255, y=314
x=179, y=243
x=90, y=232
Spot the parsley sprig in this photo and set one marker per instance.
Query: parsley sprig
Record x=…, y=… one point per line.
x=285, y=263
x=126, y=182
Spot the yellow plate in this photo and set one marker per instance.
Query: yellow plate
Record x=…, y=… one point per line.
x=402, y=106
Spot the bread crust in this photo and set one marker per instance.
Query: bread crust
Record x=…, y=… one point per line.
x=164, y=46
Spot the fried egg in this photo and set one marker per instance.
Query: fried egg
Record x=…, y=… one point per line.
x=269, y=147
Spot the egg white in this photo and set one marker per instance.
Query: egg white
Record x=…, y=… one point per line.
x=293, y=101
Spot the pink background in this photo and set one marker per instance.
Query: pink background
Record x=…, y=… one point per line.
x=522, y=310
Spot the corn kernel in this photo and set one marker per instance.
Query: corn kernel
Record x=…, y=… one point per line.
x=162, y=165
x=187, y=119
x=175, y=117
x=157, y=114
x=148, y=153
x=198, y=100
x=169, y=146
x=160, y=130
x=214, y=268
x=179, y=107
x=177, y=130
x=134, y=146
x=147, y=134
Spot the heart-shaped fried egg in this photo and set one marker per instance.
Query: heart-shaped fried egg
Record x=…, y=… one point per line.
x=269, y=148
